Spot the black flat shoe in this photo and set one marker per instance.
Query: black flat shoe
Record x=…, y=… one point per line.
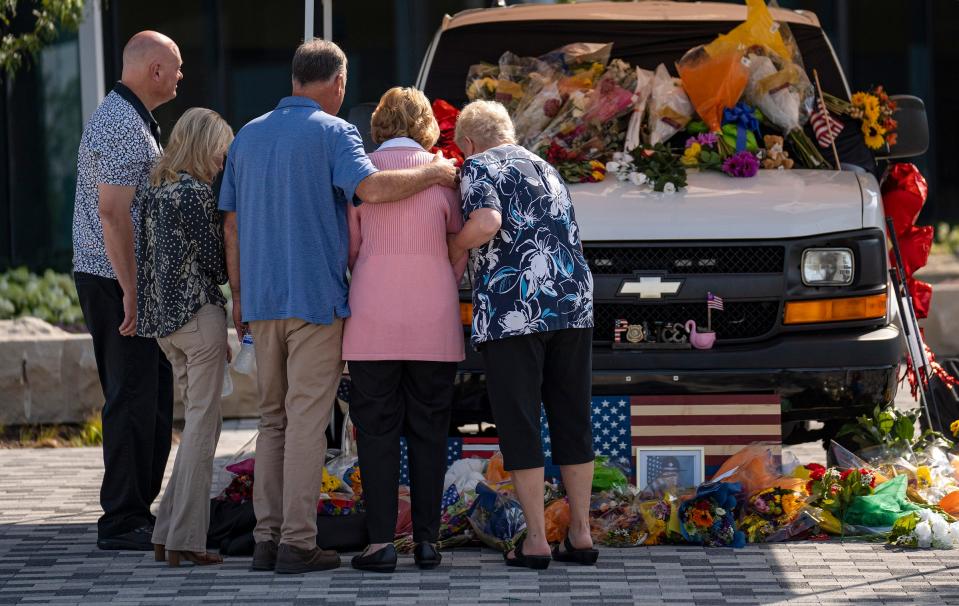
x=569, y=553
x=138, y=539
x=520, y=559
x=426, y=556
x=383, y=560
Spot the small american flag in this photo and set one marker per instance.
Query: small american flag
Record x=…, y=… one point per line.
x=449, y=497
x=470, y=448
x=825, y=126
x=714, y=301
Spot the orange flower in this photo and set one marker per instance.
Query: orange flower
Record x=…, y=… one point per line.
x=702, y=518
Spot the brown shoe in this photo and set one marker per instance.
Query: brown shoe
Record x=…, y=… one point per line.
x=291, y=560
x=264, y=556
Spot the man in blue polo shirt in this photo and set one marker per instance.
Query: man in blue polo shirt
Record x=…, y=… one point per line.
x=287, y=181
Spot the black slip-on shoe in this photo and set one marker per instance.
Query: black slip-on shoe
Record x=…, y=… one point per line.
x=138, y=539
x=383, y=560
x=426, y=555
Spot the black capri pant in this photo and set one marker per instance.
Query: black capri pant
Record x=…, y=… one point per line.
x=549, y=368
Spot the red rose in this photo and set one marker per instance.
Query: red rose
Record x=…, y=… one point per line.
x=816, y=471
x=844, y=475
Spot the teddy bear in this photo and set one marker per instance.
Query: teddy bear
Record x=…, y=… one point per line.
x=775, y=156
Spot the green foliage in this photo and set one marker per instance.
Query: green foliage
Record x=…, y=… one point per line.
x=91, y=432
x=886, y=427
x=50, y=18
x=51, y=297
x=946, y=240
x=660, y=166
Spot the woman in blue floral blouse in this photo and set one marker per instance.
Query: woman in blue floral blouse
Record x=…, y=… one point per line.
x=532, y=321
x=180, y=265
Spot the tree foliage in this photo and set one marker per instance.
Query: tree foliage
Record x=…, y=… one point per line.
x=50, y=17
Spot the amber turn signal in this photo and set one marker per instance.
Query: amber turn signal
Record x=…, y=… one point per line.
x=466, y=314
x=836, y=310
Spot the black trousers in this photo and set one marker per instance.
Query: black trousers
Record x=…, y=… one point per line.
x=137, y=415
x=553, y=368
x=413, y=399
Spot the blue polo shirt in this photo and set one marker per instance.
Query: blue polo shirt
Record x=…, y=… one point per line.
x=289, y=176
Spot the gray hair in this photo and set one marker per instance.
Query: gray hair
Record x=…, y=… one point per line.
x=318, y=61
x=486, y=124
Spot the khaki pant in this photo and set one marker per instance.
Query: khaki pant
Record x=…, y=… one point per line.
x=197, y=352
x=298, y=372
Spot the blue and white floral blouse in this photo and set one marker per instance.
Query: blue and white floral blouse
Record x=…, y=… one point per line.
x=532, y=276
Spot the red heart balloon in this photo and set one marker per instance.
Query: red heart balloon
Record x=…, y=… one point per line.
x=904, y=192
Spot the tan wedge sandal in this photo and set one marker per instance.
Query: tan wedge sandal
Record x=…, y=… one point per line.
x=198, y=559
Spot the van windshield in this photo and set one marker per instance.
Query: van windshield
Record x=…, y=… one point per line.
x=642, y=43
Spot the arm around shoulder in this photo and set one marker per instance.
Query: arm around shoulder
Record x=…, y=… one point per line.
x=391, y=185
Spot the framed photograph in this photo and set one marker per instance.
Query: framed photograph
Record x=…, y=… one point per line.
x=666, y=468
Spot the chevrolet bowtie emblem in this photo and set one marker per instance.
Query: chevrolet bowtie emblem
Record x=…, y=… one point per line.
x=651, y=287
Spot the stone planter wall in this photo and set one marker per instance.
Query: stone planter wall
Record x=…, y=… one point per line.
x=48, y=375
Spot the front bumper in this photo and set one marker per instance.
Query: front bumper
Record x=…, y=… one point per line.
x=827, y=375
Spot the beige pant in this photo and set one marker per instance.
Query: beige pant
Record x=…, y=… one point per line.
x=197, y=353
x=298, y=372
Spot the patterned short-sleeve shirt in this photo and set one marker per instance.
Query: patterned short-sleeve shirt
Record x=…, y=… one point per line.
x=119, y=147
x=532, y=276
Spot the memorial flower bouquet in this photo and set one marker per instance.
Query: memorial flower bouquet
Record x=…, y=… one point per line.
x=780, y=89
x=925, y=529
x=834, y=490
x=655, y=167
x=875, y=109
x=709, y=519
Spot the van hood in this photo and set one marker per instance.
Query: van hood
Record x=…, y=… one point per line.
x=773, y=204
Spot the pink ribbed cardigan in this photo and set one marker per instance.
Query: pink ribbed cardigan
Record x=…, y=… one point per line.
x=404, y=300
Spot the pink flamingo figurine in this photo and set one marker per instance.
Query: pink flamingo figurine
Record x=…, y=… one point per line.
x=700, y=340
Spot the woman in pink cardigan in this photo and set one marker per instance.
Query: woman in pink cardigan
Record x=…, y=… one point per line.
x=404, y=336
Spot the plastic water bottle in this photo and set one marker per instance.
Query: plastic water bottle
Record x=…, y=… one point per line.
x=243, y=362
x=227, y=381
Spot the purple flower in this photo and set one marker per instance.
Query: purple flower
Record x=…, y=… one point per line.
x=690, y=141
x=741, y=164
x=707, y=139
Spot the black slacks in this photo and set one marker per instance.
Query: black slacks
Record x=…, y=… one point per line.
x=412, y=399
x=137, y=415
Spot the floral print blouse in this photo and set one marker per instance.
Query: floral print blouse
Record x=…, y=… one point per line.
x=532, y=276
x=180, y=259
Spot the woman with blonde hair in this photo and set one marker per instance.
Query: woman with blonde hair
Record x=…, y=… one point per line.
x=180, y=265
x=404, y=337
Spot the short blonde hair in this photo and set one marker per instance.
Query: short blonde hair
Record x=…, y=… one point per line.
x=198, y=141
x=486, y=124
x=404, y=112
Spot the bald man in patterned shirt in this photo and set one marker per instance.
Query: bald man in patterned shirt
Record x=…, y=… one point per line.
x=119, y=146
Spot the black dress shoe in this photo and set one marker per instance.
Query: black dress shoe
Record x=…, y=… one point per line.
x=426, y=556
x=383, y=560
x=138, y=539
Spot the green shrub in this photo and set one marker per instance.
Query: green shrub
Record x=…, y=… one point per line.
x=51, y=297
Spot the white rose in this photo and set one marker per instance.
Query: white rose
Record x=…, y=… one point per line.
x=923, y=534
x=627, y=157
x=618, y=156
x=669, y=188
x=940, y=530
x=613, y=167
x=954, y=529
x=637, y=178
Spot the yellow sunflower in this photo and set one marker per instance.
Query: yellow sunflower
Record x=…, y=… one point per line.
x=873, y=134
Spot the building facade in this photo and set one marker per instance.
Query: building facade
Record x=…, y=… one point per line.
x=237, y=56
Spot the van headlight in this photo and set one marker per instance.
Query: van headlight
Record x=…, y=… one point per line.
x=827, y=267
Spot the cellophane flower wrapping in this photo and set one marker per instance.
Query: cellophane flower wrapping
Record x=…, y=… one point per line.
x=713, y=82
x=669, y=107
x=496, y=519
x=780, y=89
x=616, y=520
x=641, y=94
x=709, y=517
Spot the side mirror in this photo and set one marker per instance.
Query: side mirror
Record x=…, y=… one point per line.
x=912, y=135
x=359, y=117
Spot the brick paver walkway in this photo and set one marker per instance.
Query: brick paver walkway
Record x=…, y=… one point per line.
x=48, y=509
